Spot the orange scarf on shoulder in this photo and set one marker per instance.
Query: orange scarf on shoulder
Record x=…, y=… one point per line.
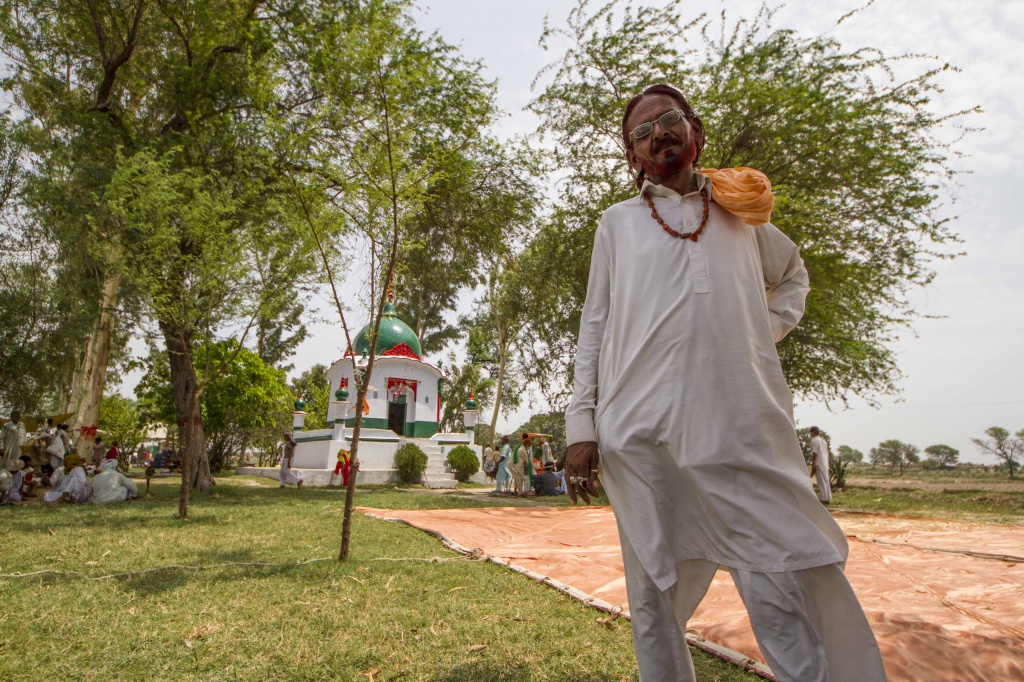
x=744, y=192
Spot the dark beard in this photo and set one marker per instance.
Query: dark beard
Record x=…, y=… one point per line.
x=671, y=166
x=665, y=169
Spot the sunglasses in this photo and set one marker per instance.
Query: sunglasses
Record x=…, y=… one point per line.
x=665, y=120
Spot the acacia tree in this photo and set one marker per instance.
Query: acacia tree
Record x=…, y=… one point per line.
x=942, y=456
x=895, y=453
x=497, y=333
x=849, y=455
x=401, y=110
x=854, y=157
x=476, y=212
x=162, y=132
x=1002, y=444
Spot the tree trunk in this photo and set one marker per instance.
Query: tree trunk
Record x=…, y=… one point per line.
x=502, y=355
x=195, y=465
x=87, y=387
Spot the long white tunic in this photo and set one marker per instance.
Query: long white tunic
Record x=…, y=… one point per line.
x=821, y=465
x=679, y=383
x=112, y=486
x=76, y=483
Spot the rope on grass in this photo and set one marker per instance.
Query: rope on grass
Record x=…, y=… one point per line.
x=695, y=639
x=168, y=567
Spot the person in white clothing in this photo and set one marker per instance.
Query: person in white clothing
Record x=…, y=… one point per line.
x=110, y=485
x=681, y=406
x=820, y=465
x=286, y=475
x=57, y=446
x=74, y=486
x=503, y=479
x=16, y=467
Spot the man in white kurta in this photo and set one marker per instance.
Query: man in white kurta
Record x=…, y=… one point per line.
x=74, y=486
x=13, y=434
x=110, y=485
x=679, y=386
x=820, y=465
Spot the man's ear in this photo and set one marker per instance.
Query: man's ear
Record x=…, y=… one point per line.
x=634, y=163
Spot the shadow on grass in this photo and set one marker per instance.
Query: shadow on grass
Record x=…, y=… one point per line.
x=156, y=583
x=499, y=672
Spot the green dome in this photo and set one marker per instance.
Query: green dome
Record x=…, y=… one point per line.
x=393, y=332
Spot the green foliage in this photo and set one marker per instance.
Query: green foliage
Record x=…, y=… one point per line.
x=849, y=455
x=855, y=158
x=485, y=202
x=458, y=383
x=551, y=423
x=121, y=421
x=411, y=462
x=248, y=403
x=895, y=453
x=942, y=456
x=497, y=338
x=463, y=462
x=1003, y=445
x=837, y=469
x=314, y=388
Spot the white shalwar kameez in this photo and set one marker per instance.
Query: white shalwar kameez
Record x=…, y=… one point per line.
x=821, y=464
x=110, y=485
x=287, y=475
x=76, y=483
x=679, y=382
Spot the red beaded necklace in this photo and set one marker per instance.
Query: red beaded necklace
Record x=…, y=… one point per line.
x=682, y=235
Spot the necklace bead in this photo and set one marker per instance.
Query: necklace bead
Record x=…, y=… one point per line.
x=682, y=235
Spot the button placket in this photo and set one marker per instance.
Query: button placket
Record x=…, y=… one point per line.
x=695, y=252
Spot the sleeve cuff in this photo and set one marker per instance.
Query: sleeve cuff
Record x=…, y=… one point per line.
x=579, y=428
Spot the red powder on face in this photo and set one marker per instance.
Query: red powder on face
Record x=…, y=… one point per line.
x=671, y=165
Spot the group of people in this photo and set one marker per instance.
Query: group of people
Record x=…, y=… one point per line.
x=65, y=471
x=529, y=468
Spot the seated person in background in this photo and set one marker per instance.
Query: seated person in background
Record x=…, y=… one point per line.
x=110, y=485
x=74, y=486
x=28, y=480
x=547, y=482
x=18, y=469
x=14, y=468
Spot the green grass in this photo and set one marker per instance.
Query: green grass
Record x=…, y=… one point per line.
x=384, y=609
x=972, y=505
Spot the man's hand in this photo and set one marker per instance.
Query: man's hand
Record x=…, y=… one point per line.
x=581, y=462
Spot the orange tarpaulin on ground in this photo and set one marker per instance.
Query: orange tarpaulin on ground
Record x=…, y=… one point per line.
x=945, y=598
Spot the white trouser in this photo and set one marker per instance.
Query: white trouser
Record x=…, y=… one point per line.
x=808, y=623
x=286, y=475
x=502, y=479
x=824, y=489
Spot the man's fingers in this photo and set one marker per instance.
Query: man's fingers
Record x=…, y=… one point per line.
x=572, y=491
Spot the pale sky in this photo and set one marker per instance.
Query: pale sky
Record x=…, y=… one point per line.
x=963, y=369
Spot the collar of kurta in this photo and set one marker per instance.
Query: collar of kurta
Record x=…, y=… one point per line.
x=655, y=190
x=744, y=192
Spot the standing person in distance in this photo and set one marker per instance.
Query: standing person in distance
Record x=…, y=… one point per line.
x=820, y=465
x=681, y=403
x=286, y=475
x=503, y=477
